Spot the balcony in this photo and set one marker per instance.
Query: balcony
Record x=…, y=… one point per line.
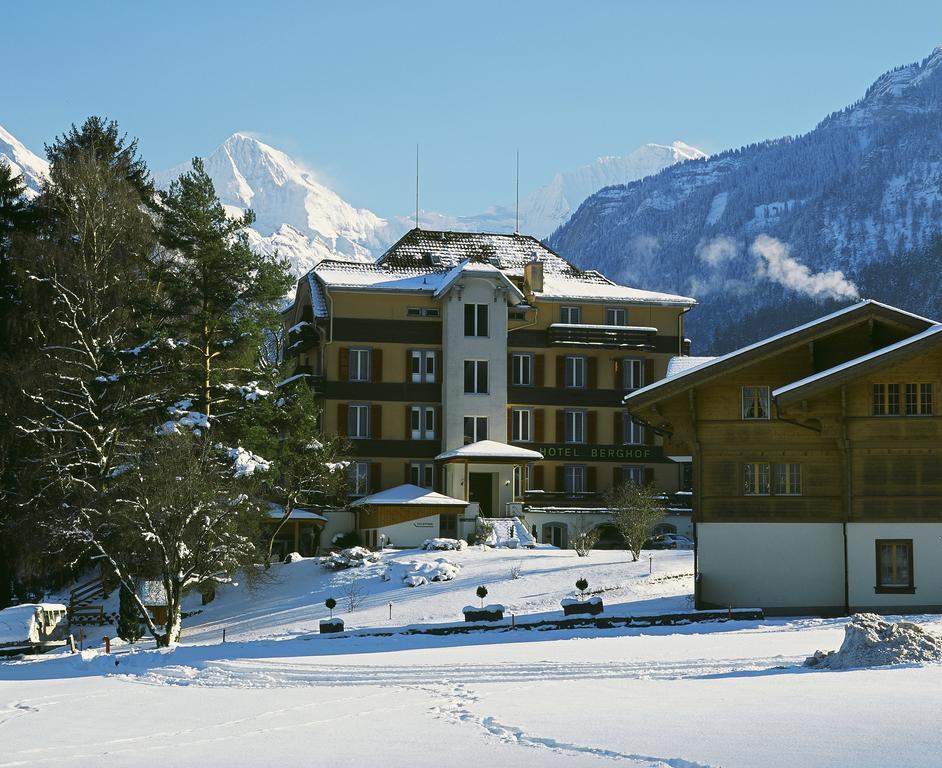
x=604, y=336
x=302, y=337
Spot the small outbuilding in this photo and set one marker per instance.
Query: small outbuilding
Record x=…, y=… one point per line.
x=407, y=515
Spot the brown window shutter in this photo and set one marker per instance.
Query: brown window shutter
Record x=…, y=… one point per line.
x=560, y=370
x=560, y=478
x=510, y=424
x=409, y=366
x=648, y=371
x=593, y=427
x=619, y=374
x=592, y=378
x=536, y=478
x=539, y=370
x=344, y=373
x=376, y=477
x=591, y=478
x=376, y=422
x=376, y=365
x=539, y=428
x=408, y=478
x=648, y=436
x=343, y=425
x=649, y=475
x=617, y=476
x=619, y=427
x=408, y=422
x=560, y=425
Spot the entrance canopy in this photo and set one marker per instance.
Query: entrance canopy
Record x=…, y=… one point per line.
x=490, y=452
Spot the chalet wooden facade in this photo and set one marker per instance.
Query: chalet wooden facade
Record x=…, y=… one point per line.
x=817, y=463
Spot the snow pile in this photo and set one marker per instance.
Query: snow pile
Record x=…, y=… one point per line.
x=444, y=544
x=596, y=600
x=21, y=623
x=293, y=557
x=354, y=557
x=422, y=573
x=246, y=463
x=869, y=641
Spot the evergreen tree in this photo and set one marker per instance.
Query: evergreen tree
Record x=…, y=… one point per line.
x=218, y=297
x=129, y=617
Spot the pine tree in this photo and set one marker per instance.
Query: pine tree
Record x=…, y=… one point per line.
x=129, y=617
x=218, y=296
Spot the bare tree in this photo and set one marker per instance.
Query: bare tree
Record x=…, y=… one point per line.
x=636, y=509
x=584, y=541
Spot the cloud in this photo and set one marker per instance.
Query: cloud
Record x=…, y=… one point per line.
x=718, y=250
x=774, y=262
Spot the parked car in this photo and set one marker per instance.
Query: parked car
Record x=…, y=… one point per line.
x=32, y=627
x=668, y=541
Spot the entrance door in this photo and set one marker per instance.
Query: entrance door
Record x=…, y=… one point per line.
x=481, y=490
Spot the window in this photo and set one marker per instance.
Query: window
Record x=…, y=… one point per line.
x=475, y=428
x=358, y=421
x=359, y=477
x=755, y=402
x=633, y=474
x=632, y=431
x=575, y=426
x=475, y=377
x=886, y=400
x=430, y=312
x=894, y=565
x=522, y=425
x=787, y=479
x=422, y=422
x=423, y=366
x=755, y=479
x=475, y=319
x=764, y=479
x=632, y=373
x=359, y=365
x=421, y=474
x=414, y=312
x=516, y=314
x=575, y=372
x=521, y=369
x=571, y=315
x=574, y=479
x=616, y=316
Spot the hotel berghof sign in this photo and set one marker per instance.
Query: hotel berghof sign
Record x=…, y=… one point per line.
x=644, y=453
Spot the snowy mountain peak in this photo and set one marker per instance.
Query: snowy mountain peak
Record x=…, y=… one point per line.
x=31, y=167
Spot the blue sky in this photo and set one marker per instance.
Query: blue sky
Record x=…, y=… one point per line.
x=350, y=87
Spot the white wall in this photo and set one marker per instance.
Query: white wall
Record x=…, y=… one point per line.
x=927, y=564
x=413, y=532
x=337, y=522
x=457, y=348
x=771, y=565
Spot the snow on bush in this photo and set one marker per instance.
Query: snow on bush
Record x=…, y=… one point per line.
x=250, y=392
x=869, y=641
x=444, y=544
x=293, y=557
x=573, y=601
x=418, y=574
x=353, y=557
x=245, y=463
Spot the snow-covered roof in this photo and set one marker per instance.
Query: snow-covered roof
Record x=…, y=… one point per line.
x=476, y=269
x=318, y=300
x=849, y=365
x=680, y=364
x=18, y=623
x=277, y=512
x=411, y=495
x=490, y=449
x=716, y=362
x=591, y=286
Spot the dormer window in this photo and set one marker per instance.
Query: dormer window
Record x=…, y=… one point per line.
x=755, y=402
x=570, y=315
x=616, y=316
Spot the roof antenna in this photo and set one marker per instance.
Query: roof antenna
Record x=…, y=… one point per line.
x=416, y=186
x=517, y=218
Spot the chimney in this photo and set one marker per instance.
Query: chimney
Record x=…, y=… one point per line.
x=533, y=275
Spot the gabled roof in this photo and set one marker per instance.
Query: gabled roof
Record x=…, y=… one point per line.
x=411, y=495
x=678, y=365
x=485, y=450
x=850, y=370
x=842, y=318
x=477, y=269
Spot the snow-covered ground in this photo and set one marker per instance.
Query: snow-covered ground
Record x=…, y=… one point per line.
x=276, y=693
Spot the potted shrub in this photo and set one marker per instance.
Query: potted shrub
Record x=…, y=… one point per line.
x=331, y=624
x=591, y=606
x=493, y=612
